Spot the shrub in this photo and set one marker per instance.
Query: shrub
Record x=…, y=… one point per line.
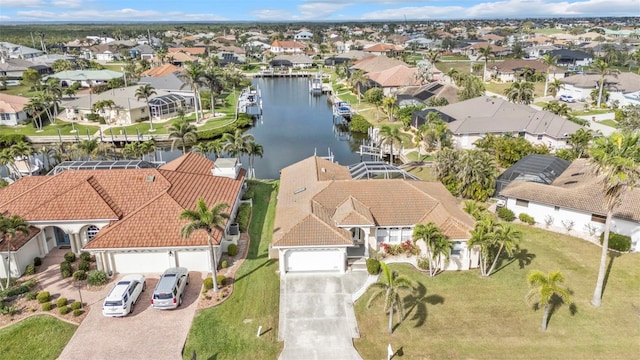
x=208, y=283
x=84, y=265
x=222, y=280
x=37, y=261
x=8, y=310
x=47, y=306
x=224, y=264
x=506, y=214
x=17, y=290
x=248, y=194
x=359, y=124
x=85, y=256
x=62, y=302
x=243, y=217
x=96, y=277
x=30, y=283
x=526, y=218
x=64, y=310
x=80, y=275
x=373, y=266
x=232, y=250
x=30, y=269
x=77, y=312
x=617, y=241
x=76, y=305
x=70, y=257
x=30, y=295
x=43, y=297
x=65, y=269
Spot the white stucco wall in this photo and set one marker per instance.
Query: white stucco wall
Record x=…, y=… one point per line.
x=583, y=227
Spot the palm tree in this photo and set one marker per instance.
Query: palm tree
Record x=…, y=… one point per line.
x=485, y=53
x=543, y=289
x=184, y=133
x=148, y=147
x=580, y=140
x=144, y=92
x=8, y=162
x=437, y=132
x=389, y=287
x=203, y=218
x=551, y=61
x=472, y=87
x=437, y=245
x=555, y=86
x=520, y=92
x=389, y=103
x=53, y=91
x=475, y=209
x=88, y=148
x=390, y=135
x=236, y=143
x=616, y=159
x=34, y=108
x=603, y=69
x=9, y=227
x=22, y=151
x=482, y=237
x=454, y=75
x=211, y=79
x=253, y=149
x=192, y=76
x=506, y=238
x=357, y=80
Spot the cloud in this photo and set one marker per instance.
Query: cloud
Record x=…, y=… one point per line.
x=117, y=15
x=272, y=14
x=320, y=10
x=22, y=3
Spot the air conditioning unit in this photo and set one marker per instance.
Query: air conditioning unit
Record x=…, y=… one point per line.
x=233, y=232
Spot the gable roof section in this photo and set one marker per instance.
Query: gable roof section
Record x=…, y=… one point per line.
x=623, y=82
x=12, y=103
x=162, y=70
x=400, y=75
x=191, y=163
x=376, y=63
x=19, y=240
x=353, y=212
x=514, y=65
x=288, y=44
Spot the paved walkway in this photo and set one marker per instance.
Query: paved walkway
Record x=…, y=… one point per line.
x=317, y=320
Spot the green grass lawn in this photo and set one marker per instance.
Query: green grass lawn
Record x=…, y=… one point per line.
x=609, y=122
x=591, y=112
x=38, y=337
x=228, y=331
x=423, y=172
x=20, y=90
x=466, y=316
x=48, y=130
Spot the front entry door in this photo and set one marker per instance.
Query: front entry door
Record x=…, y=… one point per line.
x=62, y=238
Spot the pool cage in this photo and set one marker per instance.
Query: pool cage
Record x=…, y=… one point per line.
x=378, y=170
x=103, y=165
x=168, y=105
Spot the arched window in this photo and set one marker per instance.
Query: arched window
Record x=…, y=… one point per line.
x=92, y=231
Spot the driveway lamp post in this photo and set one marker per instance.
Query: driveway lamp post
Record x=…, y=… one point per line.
x=78, y=284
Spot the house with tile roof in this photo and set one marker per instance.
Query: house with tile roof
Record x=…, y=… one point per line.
x=623, y=87
x=287, y=47
x=392, y=79
x=472, y=119
x=324, y=217
x=127, y=218
x=575, y=203
x=12, y=109
x=511, y=70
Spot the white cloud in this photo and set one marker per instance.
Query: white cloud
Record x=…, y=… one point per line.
x=321, y=10
x=272, y=15
x=116, y=15
x=21, y=3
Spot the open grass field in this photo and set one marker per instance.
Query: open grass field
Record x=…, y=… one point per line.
x=228, y=331
x=463, y=316
x=39, y=337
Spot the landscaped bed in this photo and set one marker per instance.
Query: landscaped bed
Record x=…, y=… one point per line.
x=465, y=316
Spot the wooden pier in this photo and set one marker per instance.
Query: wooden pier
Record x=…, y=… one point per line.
x=283, y=74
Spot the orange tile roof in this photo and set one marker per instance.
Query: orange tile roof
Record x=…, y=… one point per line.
x=288, y=44
x=19, y=240
x=12, y=103
x=396, y=76
x=187, y=50
x=137, y=201
x=162, y=70
x=376, y=63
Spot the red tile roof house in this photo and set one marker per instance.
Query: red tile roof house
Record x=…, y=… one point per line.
x=287, y=47
x=323, y=217
x=127, y=218
x=12, y=109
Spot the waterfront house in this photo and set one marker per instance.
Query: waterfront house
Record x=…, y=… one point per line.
x=127, y=218
x=512, y=70
x=324, y=217
x=623, y=87
x=287, y=47
x=12, y=109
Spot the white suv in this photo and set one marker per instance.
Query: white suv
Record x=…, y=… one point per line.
x=124, y=295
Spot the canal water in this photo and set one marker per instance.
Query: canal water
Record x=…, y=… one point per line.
x=295, y=125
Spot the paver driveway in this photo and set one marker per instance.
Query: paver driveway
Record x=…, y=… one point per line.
x=316, y=316
x=146, y=334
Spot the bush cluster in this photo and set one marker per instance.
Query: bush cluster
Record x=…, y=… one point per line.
x=77, y=312
x=373, y=266
x=526, y=218
x=66, y=270
x=224, y=264
x=506, y=214
x=43, y=297
x=70, y=257
x=232, y=250
x=243, y=217
x=37, y=261
x=8, y=310
x=96, y=277
x=61, y=302
x=359, y=124
x=76, y=305
x=84, y=265
x=222, y=280
x=64, y=310
x=47, y=306
x=30, y=295
x=30, y=269
x=617, y=241
x=248, y=194
x=85, y=256
x=208, y=283
x=80, y=275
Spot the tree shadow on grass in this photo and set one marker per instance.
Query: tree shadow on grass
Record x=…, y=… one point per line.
x=555, y=303
x=265, y=263
x=522, y=256
x=612, y=256
x=416, y=304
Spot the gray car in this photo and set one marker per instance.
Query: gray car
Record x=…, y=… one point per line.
x=170, y=289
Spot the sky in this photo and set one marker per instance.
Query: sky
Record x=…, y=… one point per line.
x=305, y=10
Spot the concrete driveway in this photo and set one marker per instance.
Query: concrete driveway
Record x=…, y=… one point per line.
x=146, y=334
x=316, y=316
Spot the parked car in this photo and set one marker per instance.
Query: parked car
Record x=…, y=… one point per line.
x=567, y=98
x=124, y=295
x=170, y=289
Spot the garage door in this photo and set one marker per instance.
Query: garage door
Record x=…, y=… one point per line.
x=314, y=260
x=194, y=260
x=150, y=262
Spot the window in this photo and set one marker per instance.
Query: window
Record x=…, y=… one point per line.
x=556, y=208
x=458, y=248
x=92, y=231
x=394, y=235
x=407, y=233
x=598, y=218
x=523, y=203
x=5, y=116
x=381, y=235
x=539, y=137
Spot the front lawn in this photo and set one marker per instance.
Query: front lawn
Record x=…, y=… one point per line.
x=38, y=337
x=466, y=316
x=228, y=331
x=66, y=128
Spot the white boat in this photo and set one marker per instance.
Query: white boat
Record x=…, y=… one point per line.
x=250, y=102
x=315, y=84
x=343, y=109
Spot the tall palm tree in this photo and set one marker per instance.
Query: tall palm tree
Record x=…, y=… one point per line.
x=34, y=108
x=580, y=141
x=253, y=149
x=389, y=104
x=520, y=92
x=603, y=69
x=506, y=238
x=22, y=151
x=184, y=133
x=192, y=76
x=437, y=245
x=144, y=92
x=9, y=228
x=543, y=289
x=616, y=159
x=357, y=80
x=236, y=143
x=551, y=61
x=390, y=135
x=203, y=218
x=485, y=53
x=148, y=147
x=554, y=87
x=472, y=87
x=212, y=79
x=389, y=287
x=482, y=238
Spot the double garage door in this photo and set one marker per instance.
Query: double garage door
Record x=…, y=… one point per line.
x=316, y=260
x=158, y=262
